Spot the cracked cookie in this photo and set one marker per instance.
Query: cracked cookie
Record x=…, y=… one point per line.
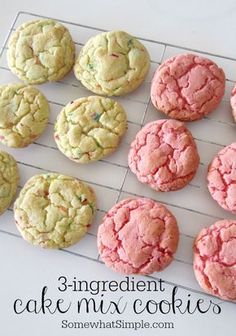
x=9, y=178
x=164, y=155
x=138, y=236
x=215, y=259
x=112, y=63
x=221, y=178
x=54, y=211
x=24, y=113
x=41, y=51
x=233, y=102
x=90, y=128
x=187, y=87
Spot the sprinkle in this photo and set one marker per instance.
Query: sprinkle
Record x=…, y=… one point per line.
x=114, y=55
x=96, y=116
x=91, y=207
x=36, y=60
x=90, y=66
x=97, y=143
x=130, y=43
x=62, y=208
x=83, y=199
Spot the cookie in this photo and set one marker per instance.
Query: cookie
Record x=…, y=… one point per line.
x=215, y=259
x=88, y=129
x=138, y=236
x=221, y=178
x=187, y=87
x=54, y=211
x=24, y=113
x=9, y=179
x=112, y=63
x=233, y=102
x=164, y=155
x=41, y=51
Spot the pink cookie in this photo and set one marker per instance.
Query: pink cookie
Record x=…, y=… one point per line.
x=233, y=102
x=222, y=178
x=164, y=155
x=138, y=236
x=215, y=259
x=187, y=87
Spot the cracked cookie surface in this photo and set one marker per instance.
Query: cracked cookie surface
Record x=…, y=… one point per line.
x=41, y=51
x=54, y=211
x=187, y=87
x=233, y=102
x=90, y=128
x=164, y=155
x=112, y=63
x=24, y=113
x=222, y=178
x=9, y=178
x=138, y=236
x=215, y=259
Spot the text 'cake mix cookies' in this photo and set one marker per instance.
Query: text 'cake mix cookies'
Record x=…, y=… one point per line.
x=222, y=178
x=90, y=128
x=112, y=63
x=138, y=236
x=41, y=51
x=215, y=259
x=54, y=211
x=164, y=155
x=187, y=87
x=24, y=113
x=9, y=178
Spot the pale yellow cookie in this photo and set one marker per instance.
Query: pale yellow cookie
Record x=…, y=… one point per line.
x=112, y=63
x=9, y=178
x=41, y=51
x=24, y=113
x=90, y=128
x=54, y=211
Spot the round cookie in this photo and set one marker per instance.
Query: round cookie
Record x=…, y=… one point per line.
x=41, y=51
x=221, y=178
x=24, y=113
x=112, y=63
x=233, y=102
x=138, y=236
x=187, y=87
x=54, y=211
x=90, y=128
x=9, y=178
x=215, y=259
x=164, y=155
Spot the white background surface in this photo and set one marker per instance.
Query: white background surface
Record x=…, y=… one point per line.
x=209, y=26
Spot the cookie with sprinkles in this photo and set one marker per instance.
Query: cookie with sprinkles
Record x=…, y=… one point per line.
x=54, y=211
x=9, y=179
x=88, y=129
x=112, y=63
